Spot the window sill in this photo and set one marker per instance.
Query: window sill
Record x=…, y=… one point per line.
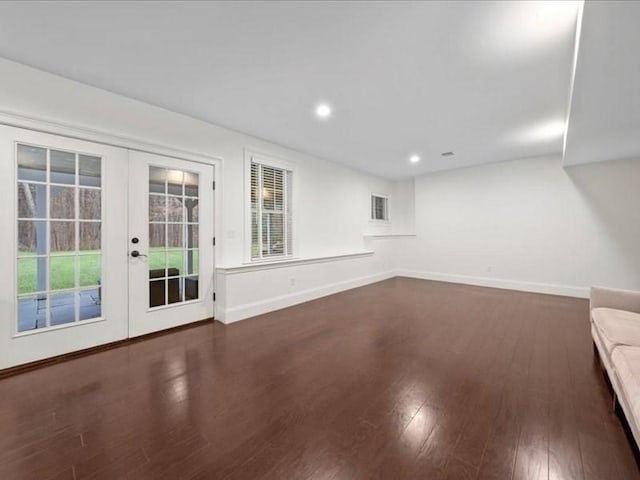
x=389, y=235
x=289, y=262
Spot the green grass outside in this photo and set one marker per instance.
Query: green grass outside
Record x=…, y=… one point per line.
x=62, y=268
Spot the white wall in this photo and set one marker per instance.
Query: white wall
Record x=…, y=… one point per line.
x=529, y=224
x=275, y=286
x=403, y=207
x=332, y=213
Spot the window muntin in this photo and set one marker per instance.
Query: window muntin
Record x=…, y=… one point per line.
x=270, y=211
x=59, y=220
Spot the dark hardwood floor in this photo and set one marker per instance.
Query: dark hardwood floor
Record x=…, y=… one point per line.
x=402, y=379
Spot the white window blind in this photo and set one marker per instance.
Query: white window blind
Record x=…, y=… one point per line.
x=379, y=208
x=270, y=211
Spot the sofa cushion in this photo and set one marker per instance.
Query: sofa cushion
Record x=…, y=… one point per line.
x=616, y=327
x=626, y=362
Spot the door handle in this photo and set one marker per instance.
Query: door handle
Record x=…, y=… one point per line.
x=136, y=254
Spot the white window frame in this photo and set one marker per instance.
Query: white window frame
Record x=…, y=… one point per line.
x=269, y=160
x=387, y=211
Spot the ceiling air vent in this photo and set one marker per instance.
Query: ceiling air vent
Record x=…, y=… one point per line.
x=447, y=154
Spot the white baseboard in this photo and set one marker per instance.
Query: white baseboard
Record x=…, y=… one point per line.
x=551, y=289
x=247, y=310
x=252, y=309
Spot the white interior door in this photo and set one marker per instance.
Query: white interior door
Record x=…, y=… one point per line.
x=63, y=284
x=171, y=244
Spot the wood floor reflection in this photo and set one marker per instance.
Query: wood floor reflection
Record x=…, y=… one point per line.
x=403, y=379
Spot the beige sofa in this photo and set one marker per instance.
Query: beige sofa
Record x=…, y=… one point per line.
x=615, y=328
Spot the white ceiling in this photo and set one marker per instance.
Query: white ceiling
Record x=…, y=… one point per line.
x=604, y=122
x=487, y=80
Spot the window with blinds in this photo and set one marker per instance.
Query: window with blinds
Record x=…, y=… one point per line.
x=379, y=208
x=270, y=211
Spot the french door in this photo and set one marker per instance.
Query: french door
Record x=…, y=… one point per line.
x=69, y=212
x=171, y=242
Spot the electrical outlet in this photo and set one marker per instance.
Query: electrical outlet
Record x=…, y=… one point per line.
x=292, y=282
x=489, y=268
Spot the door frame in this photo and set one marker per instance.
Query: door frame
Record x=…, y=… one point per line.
x=80, y=133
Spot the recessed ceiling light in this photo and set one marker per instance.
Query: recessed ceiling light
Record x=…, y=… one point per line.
x=447, y=154
x=414, y=158
x=323, y=110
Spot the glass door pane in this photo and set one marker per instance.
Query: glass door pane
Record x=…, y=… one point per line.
x=59, y=219
x=173, y=236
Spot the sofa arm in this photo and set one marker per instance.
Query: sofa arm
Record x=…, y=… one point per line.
x=628, y=300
